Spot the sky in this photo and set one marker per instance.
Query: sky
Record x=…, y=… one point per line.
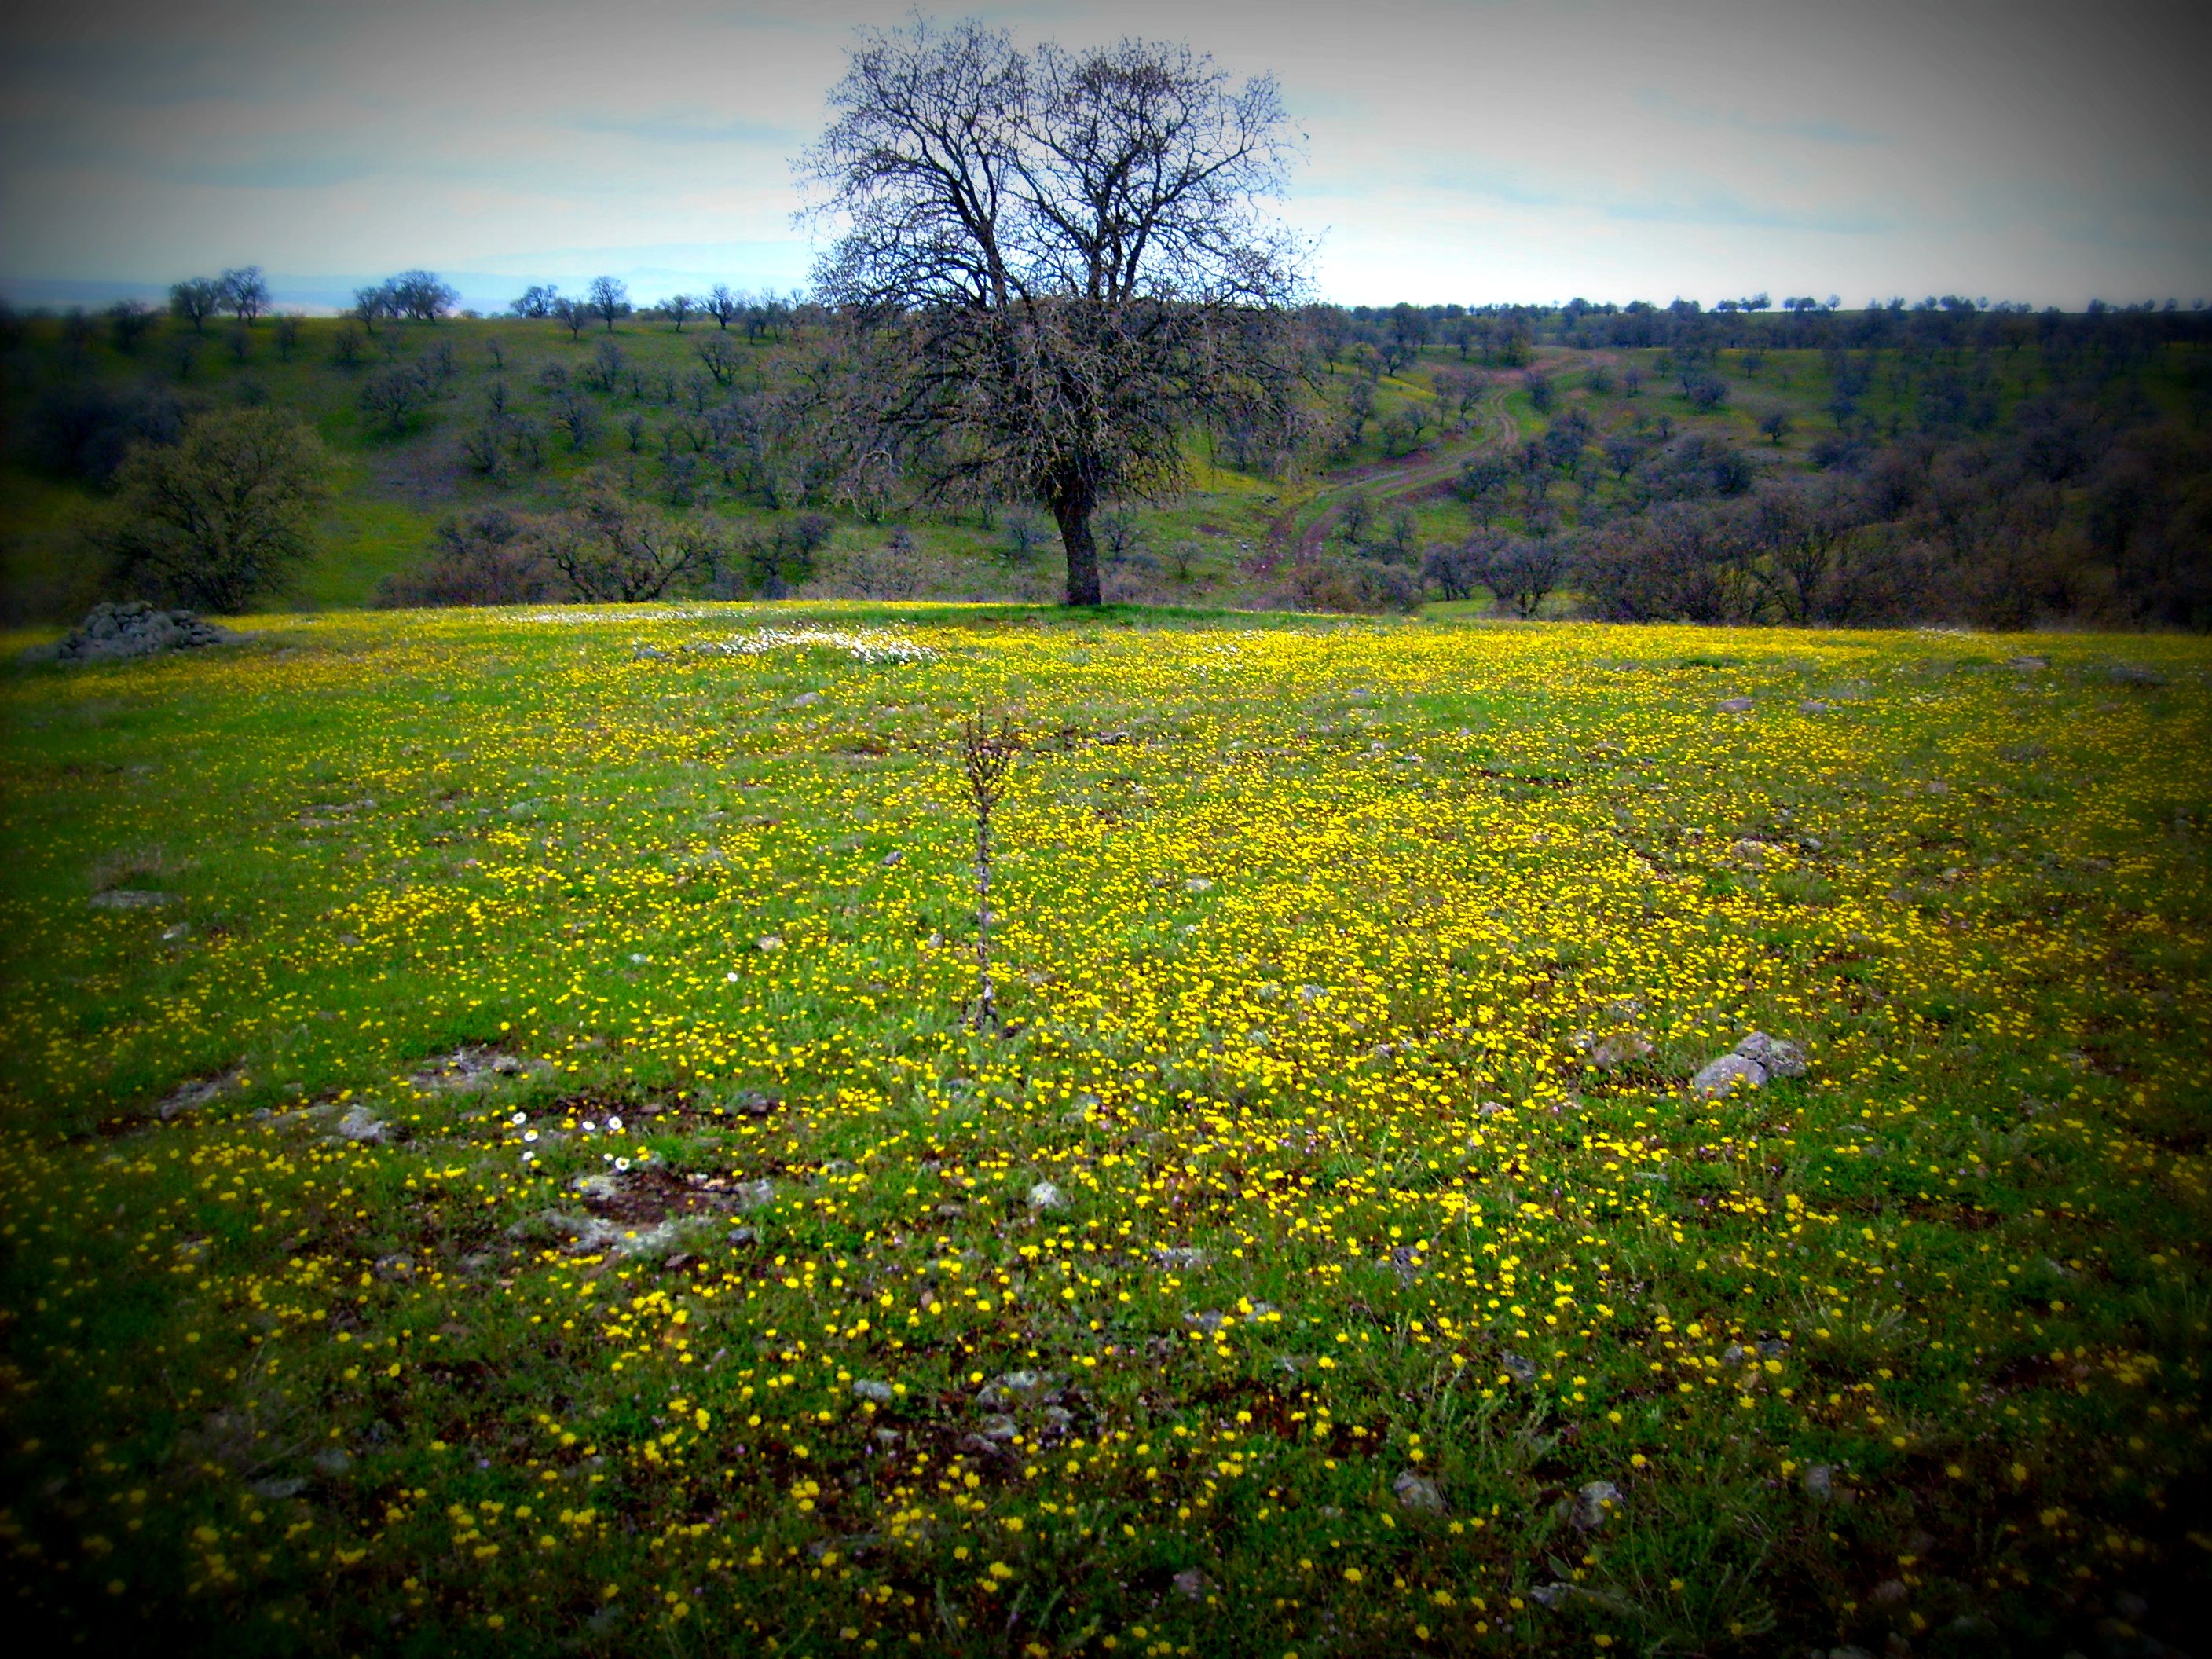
x=1476, y=153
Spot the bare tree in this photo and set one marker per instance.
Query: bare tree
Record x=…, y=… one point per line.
x=986, y=755
x=608, y=548
x=610, y=299
x=127, y=320
x=678, y=306
x=1054, y=260
x=245, y=293
x=195, y=300
x=722, y=305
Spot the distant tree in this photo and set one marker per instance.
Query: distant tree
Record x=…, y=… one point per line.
x=610, y=300
x=195, y=300
x=492, y=556
x=1541, y=394
x=1120, y=533
x=1774, y=424
x=1055, y=261
x=678, y=307
x=609, y=548
x=371, y=303
x=573, y=314
x=1482, y=483
x=1523, y=571
x=1455, y=570
x=226, y=515
x=421, y=295
x=720, y=358
x=245, y=293
x=128, y=322
x=395, y=394
x=722, y=305
x=1355, y=516
x=538, y=301
x=1705, y=390
x=288, y=336
x=1024, y=533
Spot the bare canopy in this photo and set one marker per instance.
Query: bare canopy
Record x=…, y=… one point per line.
x=1054, y=262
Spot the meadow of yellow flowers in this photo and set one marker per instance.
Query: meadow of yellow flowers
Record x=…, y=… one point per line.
x=497, y=1155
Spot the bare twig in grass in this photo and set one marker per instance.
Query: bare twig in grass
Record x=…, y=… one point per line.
x=987, y=754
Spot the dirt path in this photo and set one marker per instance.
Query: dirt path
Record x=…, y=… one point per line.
x=1429, y=472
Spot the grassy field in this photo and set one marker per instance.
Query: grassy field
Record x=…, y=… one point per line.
x=519, y=1174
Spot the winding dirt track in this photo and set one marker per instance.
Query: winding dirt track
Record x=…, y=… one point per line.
x=1428, y=473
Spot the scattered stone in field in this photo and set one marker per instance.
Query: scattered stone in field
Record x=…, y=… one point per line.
x=1209, y=1320
x=1192, y=1585
x=998, y=1426
x=805, y=700
x=473, y=1066
x=768, y=944
x=395, y=1268
x=1493, y=1109
x=2028, y=665
x=1550, y=1595
x=1736, y=705
x=1198, y=884
x=129, y=898
x=1812, y=706
x=1594, y=1504
x=1888, y=1593
x=1046, y=1196
x=189, y=1097
x=1725, y=1074
x=1520, y=1370
x=1774, y=1056
x=753, y=1194
x=1417, y=1492
x=754, y=1104
x=892, y=857
x=1182, y=1258
x=363, y=1127
x=2128, y=673
x=278, y=1487
x=1404, y=1261
x=881, y=1393
x=1617, y=1048
x=333, y=1461
x=603, y=1186
x=116, y=633
x=647, y=654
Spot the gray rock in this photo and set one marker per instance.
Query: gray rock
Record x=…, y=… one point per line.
x=363, y=1127
x=1182, y=1258
x=1192, y=1585
x=117, y=633
x=2028, y=664
x=892, y=857
x=998, y=1426
x=1727, y=1073
x=647, y=654
x=2128, y=673
x=754, y=1104
x=806, y=700
x=1812, y=706
x=1417, y=1492
x=1775, y=1057
x=882, y=1393
x=1046, y=1196
x=278, y=1487
x=1520, y=1370
x=1594, y=1504
x=198, y=1093
x=1819, y=1482
x=601, y=1187
x=752, y=1195
x=129, y=898
x=1736, y=705
x=333, y=1461
x=1617, y=1048
x=1888, y=1593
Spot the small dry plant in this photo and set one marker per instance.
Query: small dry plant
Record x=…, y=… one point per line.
x=986, y=755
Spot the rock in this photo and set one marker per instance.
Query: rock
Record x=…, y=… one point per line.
x=805, y=700
x=1775, y=1057
x=1736, y=705
x=768, y=943
x=1209, y=1320
x=601, y=1187
x=129, y=898
x=1728, y=1073
x=1182, y=1258
x=1819, y=1482
x=881, y=1393
x=1046, y=1196
x=277, y=1488
x=2128, y=673
x=892, y=857
x=754, y=1104
x=1198, y=884
x=1594, y=1504
x=1888, y=1593
x=647, y=654
x=1010, y=1389
x=998, y=1426
x=1520, y=1370
x=1417, y=1492
x=199, y=1091
x=1812, y=706
x=117, y=633
x=1616, y=1049
x=1550, y=1596
x=752, y=1195
x=2028, y=665
x=1192, y=1585
x=333, y=1461
x=363, y=1127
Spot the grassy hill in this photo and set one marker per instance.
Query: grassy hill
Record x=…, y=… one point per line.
x=511, y=413
x=496, y=1155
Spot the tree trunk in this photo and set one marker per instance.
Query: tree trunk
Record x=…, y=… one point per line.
x=1071, y=507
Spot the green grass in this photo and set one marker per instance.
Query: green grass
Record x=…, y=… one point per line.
x=1307, y=933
